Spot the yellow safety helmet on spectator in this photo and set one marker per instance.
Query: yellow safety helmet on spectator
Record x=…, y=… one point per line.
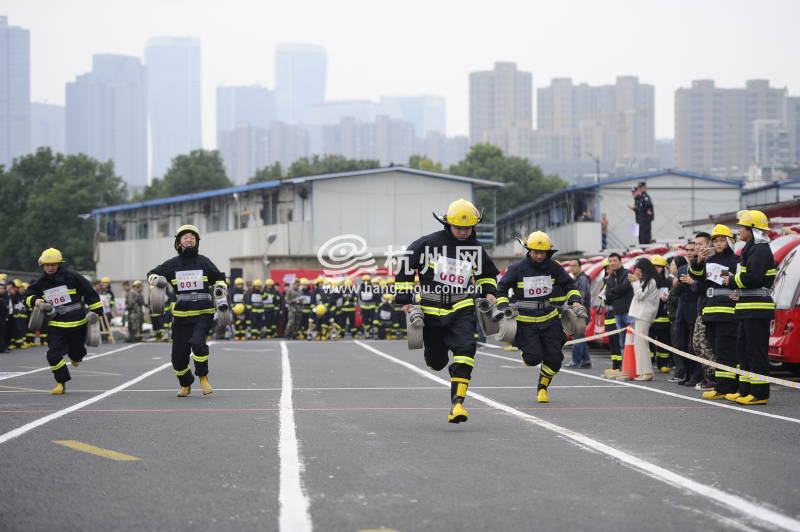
x=387, y=297
x=258, y=282
x=604, y=264
x=50, y=256
x=105, y=280
x=269, y=282
x=755, y=219
x=348, y=282
x=25, y=286
x=17, y=283
x=461, y=213
x=376, y=280
x=658, y=260
x=238, y=280
x=365, y=277
x=303, y=281
x=721, y=230
x=238, y=308
x=320, y=310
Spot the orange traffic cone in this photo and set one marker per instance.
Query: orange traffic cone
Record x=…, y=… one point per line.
x=629, y=357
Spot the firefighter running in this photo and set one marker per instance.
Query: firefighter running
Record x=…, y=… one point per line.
x=192, y=276
x=447, y=262
x=66, y=295
x=539, y=332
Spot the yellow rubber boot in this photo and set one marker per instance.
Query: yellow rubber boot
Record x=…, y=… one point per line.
x=458, y=414
x=713, y=394
x=732, y=397
x=207, y=389
x=542, y=397
x=75, y=363
x=184, y=391
x=59, y=389
x=751, y=400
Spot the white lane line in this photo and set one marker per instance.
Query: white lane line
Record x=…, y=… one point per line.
x=734, y=502
x=294, y=504
x=721, y=404
x=47, y=368
x=55, y=415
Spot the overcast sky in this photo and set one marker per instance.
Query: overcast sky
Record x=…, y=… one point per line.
x=378, y=47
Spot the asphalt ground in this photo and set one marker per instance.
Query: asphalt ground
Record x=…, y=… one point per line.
x=353, y=436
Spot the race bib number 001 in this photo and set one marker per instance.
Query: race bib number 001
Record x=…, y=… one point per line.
x=189, y=280
x=238, y=298
x=57, y=296
x=452, y=272
x=537, y=286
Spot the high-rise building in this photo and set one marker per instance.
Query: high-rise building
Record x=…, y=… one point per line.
x=500, y=104
x=300, y=73
x=612, y=123
x=714, y=127
x=15, y=91
x=426, y=112
x=106, y=115
x=793, y=125
x=174, y=101
x=47, y=127
x=286, y=144
x=244, y=117
x=331, y=113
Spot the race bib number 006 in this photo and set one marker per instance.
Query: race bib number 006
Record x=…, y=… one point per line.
x=537, y=286
x=189, y=280
x=57, y=296
x=452, y=272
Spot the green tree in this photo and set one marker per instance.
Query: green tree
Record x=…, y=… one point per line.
x=198, y=171
x=524, y=182
x=422, y=162
x=315, y=165
x=43, y=197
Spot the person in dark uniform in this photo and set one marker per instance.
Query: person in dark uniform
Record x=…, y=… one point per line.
x=192, y=276
x=645, y=213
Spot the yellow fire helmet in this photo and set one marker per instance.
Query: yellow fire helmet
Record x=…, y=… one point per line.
x=377, y=280
x=320, y=310
x=269, y=282
x=387, y=297
x=319, y=280
x=25, y=286
x=51, y=256
x=365, y=277
x=238, y=280
x=756, y=219
x=461, y=213
x=348, y=282
x=105, y=280
x=604, y=264
x=658, y=260
x=537, y=241
x=183, y=230
x=258, y=282
x=335, y=282
x=3, y=277
x=136, y=283
x=390, y=280
x=238, y=309
x=303, y=281
x=721, y=230
x=17, y=283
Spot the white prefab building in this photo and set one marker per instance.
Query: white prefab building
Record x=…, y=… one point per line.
x=569, y=215
x=387, y=207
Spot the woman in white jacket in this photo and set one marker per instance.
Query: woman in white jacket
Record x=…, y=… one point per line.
x=644, y=308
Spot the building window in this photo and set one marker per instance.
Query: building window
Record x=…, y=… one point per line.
x=141, y=230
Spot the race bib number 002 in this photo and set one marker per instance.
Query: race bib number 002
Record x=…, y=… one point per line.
x=537, y=286
x=452, y=272
x=189, y=280
x=57, y=296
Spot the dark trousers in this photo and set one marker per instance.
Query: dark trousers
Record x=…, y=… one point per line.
x=614, y=348
x=65, y=341
x=190, y=338
x=3, y=334
x=367, y=317
x=752, y=346
x=455, y=335
x=271, y=322
x=661, y=332
x=645, y=232
x=346, y=320
x=722, y=336
x=685, y=368
x=19, y=327
x=541, y=343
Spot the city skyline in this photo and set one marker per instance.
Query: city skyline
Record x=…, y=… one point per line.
x=364, y=64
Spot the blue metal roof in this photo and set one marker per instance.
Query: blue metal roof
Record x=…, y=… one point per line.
x=522, y=208
x=186, y=197
x=479, y=183
x=777, y=184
